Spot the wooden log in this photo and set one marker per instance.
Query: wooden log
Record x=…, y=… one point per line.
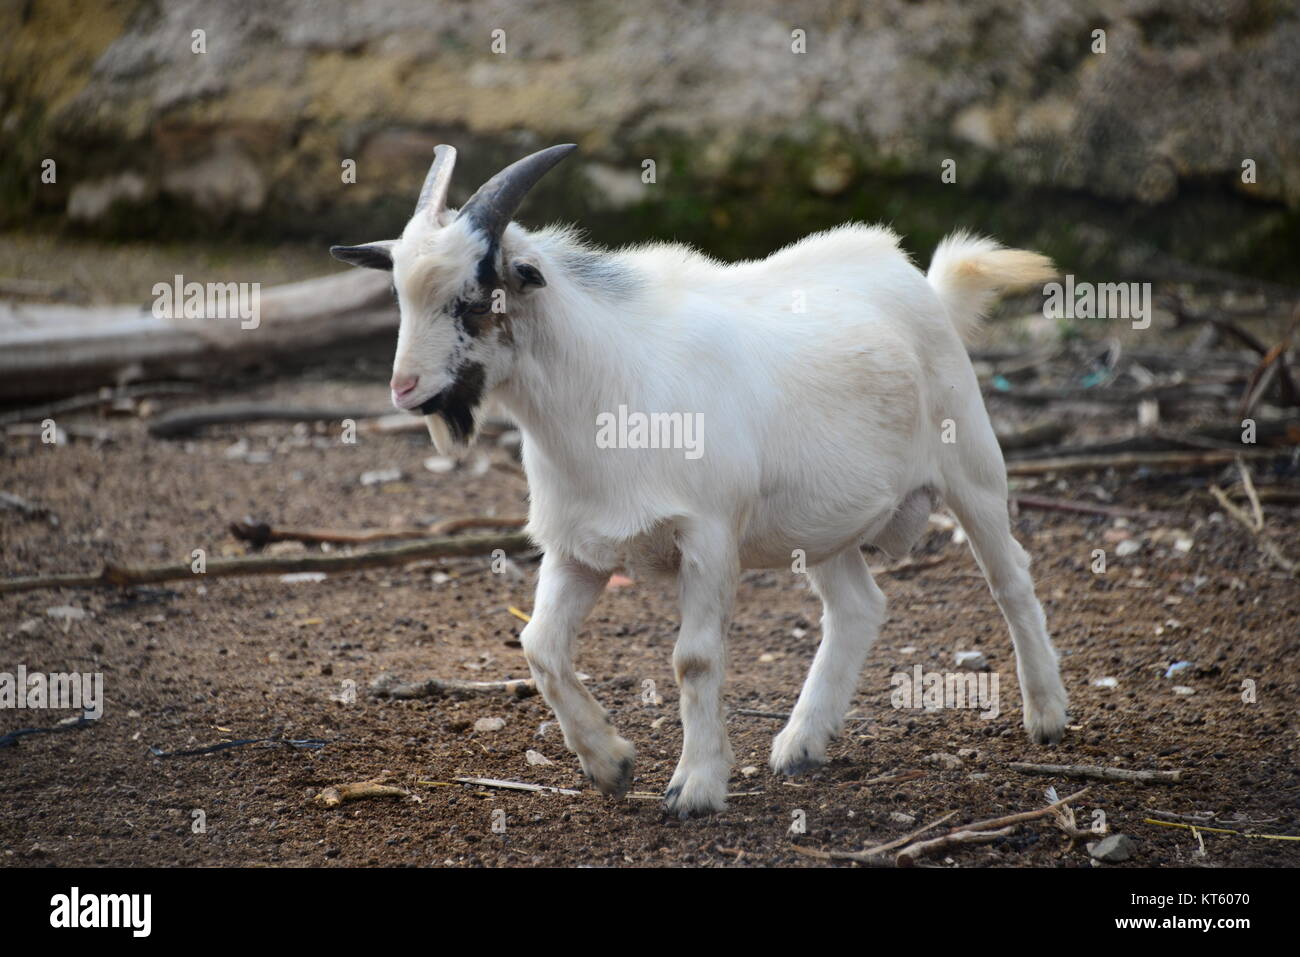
x=128, y=575
x=54, y=349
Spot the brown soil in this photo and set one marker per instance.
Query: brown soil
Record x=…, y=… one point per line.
x=197, y=662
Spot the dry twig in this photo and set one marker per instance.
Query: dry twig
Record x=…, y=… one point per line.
x=1090, y=772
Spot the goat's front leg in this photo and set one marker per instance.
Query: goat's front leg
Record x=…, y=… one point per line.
x=566, y=592
x=710, y=568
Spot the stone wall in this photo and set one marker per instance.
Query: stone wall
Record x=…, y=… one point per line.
x=250, y=135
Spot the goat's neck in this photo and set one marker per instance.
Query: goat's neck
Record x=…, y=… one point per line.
x=572, y=364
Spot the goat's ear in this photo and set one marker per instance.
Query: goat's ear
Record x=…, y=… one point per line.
x=524, y=273
x=371, y=255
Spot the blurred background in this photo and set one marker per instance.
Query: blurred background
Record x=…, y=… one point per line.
x=212, y=139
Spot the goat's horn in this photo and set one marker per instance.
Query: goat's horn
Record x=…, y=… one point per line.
x=433, y=195
x=495, y=202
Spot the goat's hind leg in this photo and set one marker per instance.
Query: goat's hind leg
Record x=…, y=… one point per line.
x=566, y=592
x=982, y=510
x=854, y=609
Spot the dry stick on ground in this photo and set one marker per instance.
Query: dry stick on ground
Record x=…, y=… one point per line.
x=977, y=833
x=1093, y=773
x=451, y=525
x=1042, y=433
x=191, y=420
x=386, y=686
x=259, y=534
x=1086, y=463
x=341, y=793
x=127, y=575
x=1270, y=367
x=1085, y=508
x=872, y=855
x=91, y=400
x=510, y=785
x=1266, y=545
x=908, y=856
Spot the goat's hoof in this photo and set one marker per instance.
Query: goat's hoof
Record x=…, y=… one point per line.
x=1045, y=724
x=791, y=756
x=612, y=773
x=695, y=795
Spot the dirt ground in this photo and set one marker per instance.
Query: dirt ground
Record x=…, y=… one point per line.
x=195, y=663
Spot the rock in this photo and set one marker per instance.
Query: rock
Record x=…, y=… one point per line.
x=749, y=770
x=1129, y=546
x=439, y=464
x=489, y=724
x=534, y=757
x=1177, y=667
x=971, y=661
x=381, y=476
x=1105, y=682
x=66, y=613
x=1184, y=690
x=93, y=199
x=898, y=817
x=1113, y=849
x=297, y=577
x=949, y=762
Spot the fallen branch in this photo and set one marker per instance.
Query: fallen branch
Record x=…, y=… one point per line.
x=124, y=576
x=191, y=420
x=93, y=400
x=1088, y=463
x=1222, y=830
x=1043, y=433
x=908, y=856
x=1093, y=773
x=1266, y=545
x=451, y=525
x=1085, y=508
x=387, y=686
x=374, y=788
x=980, y=832
x=513, y=785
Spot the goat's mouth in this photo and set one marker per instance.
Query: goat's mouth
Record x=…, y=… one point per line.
x=457, y=405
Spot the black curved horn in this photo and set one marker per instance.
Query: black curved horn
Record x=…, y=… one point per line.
x=495, y=202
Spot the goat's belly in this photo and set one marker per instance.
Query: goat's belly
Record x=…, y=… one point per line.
x=777, y=539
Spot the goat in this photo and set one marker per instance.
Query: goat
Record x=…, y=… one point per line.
x=840, y=406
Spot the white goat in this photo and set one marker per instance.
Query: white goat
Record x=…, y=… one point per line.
x=840, y=406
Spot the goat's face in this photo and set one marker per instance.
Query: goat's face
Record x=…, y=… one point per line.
x=453, y=285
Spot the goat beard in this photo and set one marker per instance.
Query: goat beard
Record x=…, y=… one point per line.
x=452, y=416
x=440, y=434
x=452, y=431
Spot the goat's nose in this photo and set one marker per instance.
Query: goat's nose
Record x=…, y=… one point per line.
x=403, y=384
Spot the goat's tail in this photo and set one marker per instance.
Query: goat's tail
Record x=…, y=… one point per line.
x=967, y=271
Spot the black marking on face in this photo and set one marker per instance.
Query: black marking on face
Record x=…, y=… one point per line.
x=473, y=316
x=487, y=266
x=457, y=403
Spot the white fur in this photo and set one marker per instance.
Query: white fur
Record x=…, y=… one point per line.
x=825, y=374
